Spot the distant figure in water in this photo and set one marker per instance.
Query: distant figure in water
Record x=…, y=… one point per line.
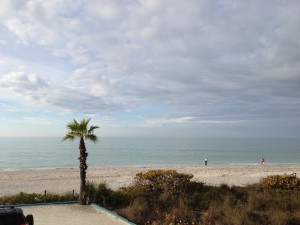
x=205, y=161
x=262, y=161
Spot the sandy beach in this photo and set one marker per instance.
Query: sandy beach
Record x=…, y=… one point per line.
x=64, y=180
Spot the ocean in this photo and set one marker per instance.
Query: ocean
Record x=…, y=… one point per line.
x=40, y=153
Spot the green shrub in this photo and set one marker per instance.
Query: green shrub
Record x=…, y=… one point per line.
x=159, y=181
x=101, y=194
x=26, y=198
x=22, y=198
x=160, y=197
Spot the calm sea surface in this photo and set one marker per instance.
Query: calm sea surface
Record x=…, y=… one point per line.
x=19, y=153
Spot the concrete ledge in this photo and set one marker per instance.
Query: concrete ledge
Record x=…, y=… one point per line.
x=111, y=213
x=39, y=204
x=102, y=209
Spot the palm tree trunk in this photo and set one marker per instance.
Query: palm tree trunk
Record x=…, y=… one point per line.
x=83, y=168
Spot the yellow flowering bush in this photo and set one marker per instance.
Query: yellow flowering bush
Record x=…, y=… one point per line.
x=282, y=182
x=159, y=181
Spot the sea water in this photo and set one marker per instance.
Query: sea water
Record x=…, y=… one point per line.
x=39, y=153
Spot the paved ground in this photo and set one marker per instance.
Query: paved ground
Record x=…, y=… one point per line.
x=72, y=214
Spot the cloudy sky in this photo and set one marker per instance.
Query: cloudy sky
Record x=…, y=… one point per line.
x=151, y=67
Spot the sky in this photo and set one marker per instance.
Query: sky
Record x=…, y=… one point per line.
x=197, y=68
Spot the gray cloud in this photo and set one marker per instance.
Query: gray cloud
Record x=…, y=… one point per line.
x=210, y=60
x=20, y=82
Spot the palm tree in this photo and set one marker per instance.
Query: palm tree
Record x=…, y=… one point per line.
x=81, y=131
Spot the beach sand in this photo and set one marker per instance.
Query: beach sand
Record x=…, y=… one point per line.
x=64, y=180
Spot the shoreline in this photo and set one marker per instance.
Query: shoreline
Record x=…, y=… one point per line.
x=151, y=166
x=62, y=180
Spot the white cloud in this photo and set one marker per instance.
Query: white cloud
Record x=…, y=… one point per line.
x=108, y=10
x=3, y=42
x=158, y=122
x=37, y=121
x=20, y=81
x=4, y=107
x=210, y=59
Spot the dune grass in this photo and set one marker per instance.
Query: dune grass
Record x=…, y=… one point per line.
x=33, y=198
x=165, y=197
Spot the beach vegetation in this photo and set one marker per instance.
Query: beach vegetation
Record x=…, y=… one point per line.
x=102, y=195
x=33, y=198
x=168, y=182
x=170, y=198
x=282, y=182
x=166, y=197
x=83, y=131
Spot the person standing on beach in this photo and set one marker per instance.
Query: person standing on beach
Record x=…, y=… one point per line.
x=205, y=161
x=262, y=161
